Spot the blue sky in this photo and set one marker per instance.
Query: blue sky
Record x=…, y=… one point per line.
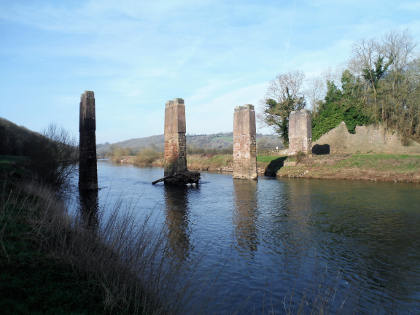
x=136, y=55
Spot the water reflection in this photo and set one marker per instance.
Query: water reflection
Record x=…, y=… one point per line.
x=89, y=208
x=299, y=208
x=354, y=246
x=245, y=214
x=176, y=220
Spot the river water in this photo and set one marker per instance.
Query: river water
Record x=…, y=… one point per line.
x=279, y=245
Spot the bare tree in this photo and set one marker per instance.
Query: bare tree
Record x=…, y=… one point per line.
x=387, y=67
x=286, y=85
x=399, y=47
x=283, y=96
x=316, y=92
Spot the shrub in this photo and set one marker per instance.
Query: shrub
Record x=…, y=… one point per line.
x=147, y=156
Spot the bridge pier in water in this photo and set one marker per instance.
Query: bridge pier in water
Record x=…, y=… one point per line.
x=244, y=143
x=175, y=155
x=300, y=132
x=88, y=174
x=175, y=158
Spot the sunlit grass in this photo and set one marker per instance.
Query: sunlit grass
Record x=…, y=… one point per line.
x=266, y=158
x=381, y=162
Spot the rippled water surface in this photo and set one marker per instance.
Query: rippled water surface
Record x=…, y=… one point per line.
x=281, y=245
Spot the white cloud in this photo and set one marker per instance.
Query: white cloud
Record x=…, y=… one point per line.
x=136, y=55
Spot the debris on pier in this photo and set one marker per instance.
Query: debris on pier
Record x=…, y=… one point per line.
x=182, y=178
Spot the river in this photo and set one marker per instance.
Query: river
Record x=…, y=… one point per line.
x=279, y=245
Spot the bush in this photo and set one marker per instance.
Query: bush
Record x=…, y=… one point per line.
x=337, y=107
x=147, y=156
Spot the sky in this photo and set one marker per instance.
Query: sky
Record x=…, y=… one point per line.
x=136, y=55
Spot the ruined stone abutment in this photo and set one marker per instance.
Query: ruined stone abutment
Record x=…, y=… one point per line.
x=244, y=143
x=88, y=176
x=175, y=158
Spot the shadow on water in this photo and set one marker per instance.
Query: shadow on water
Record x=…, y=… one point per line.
x=89, y=208
x=177, y=219
x=274, y=166
x=245, y=215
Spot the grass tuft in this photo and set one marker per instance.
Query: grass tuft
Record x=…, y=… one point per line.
x=55, y=263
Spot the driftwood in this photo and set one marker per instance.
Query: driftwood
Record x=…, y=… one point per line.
x=183, y=178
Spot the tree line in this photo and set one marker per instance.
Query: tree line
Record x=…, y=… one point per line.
x=381, y=85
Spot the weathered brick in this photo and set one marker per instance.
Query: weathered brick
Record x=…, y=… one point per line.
x=300, y=132
x=175, y=157
x=244, y=143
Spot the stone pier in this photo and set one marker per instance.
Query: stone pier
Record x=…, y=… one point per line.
x=300, y=132
x=244, y=143
x=88, y=176
x=175, y=158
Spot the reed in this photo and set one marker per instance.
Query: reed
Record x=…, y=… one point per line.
x=120, y=258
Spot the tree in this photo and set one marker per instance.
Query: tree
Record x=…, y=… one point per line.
x=340, y=104
x=316, y=92
x=382, y=64
x=283, y=96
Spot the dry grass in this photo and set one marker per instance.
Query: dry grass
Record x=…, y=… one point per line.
x=148, y=157
x=205, y=162
x=122, y=256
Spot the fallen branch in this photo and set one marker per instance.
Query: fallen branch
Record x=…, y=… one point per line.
x=180, y=178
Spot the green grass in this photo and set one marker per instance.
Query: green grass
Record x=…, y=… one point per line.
x=219, y=160
x=12, y=165
x=226, y=138
x=382, y=162
x=266, y=158
x=8, y=159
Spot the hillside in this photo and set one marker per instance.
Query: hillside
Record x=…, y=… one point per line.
x=17, y=140
x=49, y=157
x=219, y=141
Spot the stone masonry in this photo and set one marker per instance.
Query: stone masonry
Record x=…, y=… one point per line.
x=88, y=176
x=300, y=132
x=244, y=143
x=175, y=158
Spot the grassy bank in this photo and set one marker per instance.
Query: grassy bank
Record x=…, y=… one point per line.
x=54, y=263
x=373, y=167
x=32, y=279
x=195, y=162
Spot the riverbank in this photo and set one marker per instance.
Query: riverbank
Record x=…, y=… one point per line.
x=57, y=263
x=222, y=163
x=371, y=167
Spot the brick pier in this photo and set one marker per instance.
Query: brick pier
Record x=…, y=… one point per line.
x=175, y=158
x=300, y=132
x=88, y=176
x=244, y=143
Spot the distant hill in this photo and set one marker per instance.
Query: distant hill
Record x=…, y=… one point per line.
x=218, y=141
